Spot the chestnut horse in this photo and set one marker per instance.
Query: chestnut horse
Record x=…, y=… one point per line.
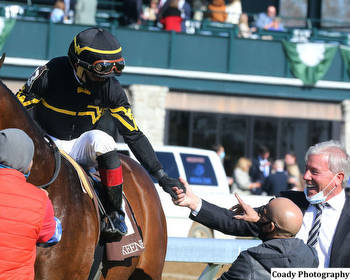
x=73, y=256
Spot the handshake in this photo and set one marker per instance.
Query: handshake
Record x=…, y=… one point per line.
x=184, y=196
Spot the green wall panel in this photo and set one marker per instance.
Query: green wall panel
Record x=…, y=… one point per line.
x=144, y=48
x=27, y=39
x=258, y=57
x=201, y=53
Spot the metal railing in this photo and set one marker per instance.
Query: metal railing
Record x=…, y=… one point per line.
x=214, y=252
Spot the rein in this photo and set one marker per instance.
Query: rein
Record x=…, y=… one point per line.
x=57, y=161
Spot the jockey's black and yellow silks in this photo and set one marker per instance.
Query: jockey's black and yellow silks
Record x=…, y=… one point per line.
x=65, y=109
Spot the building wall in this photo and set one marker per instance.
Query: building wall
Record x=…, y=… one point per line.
x=254, y=106
x=336, y=10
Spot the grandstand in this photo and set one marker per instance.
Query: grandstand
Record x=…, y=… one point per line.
x=208, y=85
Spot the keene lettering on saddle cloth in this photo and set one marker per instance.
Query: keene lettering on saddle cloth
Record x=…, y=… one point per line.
x=132, y=247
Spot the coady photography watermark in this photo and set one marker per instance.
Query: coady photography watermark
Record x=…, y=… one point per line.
x=310, y=274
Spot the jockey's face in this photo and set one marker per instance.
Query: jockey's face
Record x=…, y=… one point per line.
x=92, y=77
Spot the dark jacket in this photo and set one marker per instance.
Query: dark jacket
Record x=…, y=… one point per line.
x=256, y=262
x=276, y=183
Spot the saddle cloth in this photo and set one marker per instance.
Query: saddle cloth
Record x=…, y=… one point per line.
x=131, y=244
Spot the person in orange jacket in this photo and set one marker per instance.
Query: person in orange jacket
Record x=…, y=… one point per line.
x=26, y=212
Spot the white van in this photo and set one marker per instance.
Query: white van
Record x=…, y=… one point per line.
x=204, y=172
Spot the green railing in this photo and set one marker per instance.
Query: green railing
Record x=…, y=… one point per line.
x=153, y=53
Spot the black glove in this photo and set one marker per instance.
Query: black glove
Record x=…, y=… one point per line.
x=168, y=183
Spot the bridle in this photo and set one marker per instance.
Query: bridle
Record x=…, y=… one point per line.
x=57, y=155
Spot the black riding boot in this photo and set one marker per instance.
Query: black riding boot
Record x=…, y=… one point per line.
x=110, y=170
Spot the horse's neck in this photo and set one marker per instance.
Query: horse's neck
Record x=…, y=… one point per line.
x=14, y=115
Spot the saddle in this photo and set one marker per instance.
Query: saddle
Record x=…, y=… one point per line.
x=124, y=247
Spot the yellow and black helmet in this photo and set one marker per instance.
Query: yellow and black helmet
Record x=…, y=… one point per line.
x=98, y=51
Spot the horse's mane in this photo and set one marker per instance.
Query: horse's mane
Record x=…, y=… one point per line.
x=32, y=123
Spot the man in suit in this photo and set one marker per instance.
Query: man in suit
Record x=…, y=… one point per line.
x=260, y=169
x=277, y=181
x=326, y=175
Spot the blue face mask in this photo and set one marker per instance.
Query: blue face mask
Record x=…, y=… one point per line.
x=320, y=197
x=222, y=155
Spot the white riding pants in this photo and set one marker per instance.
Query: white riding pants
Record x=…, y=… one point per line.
x=87, y=147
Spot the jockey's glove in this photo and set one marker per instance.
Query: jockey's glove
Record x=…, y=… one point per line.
x=167, y=183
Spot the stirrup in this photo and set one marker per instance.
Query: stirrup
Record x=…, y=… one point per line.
x=115, y=225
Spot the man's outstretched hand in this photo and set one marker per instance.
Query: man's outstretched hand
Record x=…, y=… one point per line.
x=244, y=211
x=187, y=198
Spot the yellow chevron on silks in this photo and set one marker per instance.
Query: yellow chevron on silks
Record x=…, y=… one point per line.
x=95, y=115
x=79, y=49
x=127, y=112
x=83, y=90
x=22, y=99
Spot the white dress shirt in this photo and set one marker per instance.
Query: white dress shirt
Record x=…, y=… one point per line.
x=196, y=211
x=329, y=220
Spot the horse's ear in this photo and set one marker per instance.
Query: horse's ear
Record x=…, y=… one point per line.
x=2, y=59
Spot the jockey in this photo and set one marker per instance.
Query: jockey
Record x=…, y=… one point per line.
x=71, y=94
x=26, y=212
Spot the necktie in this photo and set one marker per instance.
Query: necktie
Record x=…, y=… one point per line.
x=315, y=229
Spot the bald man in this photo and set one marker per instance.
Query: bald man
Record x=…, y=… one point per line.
x=267, y=20
x=280, y=220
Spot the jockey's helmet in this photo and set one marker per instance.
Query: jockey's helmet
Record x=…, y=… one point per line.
x=96, y=50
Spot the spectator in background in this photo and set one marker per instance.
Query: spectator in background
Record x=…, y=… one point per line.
x=242, y=182
x=182, y=5
x=244, y=30
x=85, y=12
x=260, y=168
x=27, y=216
x=295, y=178
x=57, y=14
x=234, y=10
x=150, y=12
x=132, y=10
x=220, y=151
x=277, y=181
x=199, y=6
x=171, y=17
x=69, y=10
x=217, y=10
x=266, y=20
x=186, y=13
x=276, y=25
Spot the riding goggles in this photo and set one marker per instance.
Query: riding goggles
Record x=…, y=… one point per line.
x=106, y=67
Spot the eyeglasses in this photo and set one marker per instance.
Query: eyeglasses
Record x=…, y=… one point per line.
x=262, y=214
x=105, y=67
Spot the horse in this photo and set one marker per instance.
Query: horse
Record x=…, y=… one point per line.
x=73, y=256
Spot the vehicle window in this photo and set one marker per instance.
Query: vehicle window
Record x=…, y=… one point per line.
x=169, y=164
x=199, y=170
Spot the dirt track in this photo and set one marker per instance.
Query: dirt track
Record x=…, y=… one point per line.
x=186, y=271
